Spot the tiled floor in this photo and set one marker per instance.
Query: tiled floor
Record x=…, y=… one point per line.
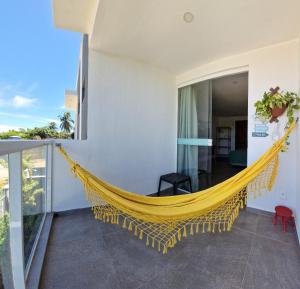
x=87, y=254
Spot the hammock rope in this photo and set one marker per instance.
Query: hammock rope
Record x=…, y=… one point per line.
x=164, y=221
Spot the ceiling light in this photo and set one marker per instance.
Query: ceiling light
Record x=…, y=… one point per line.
x=188, y=17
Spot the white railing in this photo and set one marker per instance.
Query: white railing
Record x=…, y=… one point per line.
x=12, y=146
x=16, y=150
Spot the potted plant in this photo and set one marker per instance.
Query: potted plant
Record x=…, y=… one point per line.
x=274, y=104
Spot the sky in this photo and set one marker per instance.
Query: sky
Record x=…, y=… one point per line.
x=37, y=63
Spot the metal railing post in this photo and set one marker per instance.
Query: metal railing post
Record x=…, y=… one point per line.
x=16, y=219
x=49, y=162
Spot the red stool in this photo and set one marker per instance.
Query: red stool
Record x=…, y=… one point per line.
x=285, y=214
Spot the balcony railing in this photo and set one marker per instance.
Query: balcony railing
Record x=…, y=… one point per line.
x=25, y=200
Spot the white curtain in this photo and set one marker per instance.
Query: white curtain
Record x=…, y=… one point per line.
x=187, y=155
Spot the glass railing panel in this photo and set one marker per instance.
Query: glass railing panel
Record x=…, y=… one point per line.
x=34, y=197
x=6, y=280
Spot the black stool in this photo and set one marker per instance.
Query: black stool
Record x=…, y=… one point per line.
x=174, y=179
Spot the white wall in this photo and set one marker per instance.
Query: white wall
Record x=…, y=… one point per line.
x=268, y=67
x=132, y=122
x=298, y=162
x=132, y=129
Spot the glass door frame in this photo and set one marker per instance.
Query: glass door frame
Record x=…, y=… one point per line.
x=195, y=78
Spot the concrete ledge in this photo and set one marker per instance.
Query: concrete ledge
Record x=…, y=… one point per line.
x=36, y=267
x=72, y=211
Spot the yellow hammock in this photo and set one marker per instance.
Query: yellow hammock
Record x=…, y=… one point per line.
x=163, y=221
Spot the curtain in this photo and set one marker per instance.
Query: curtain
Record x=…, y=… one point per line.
x=204, y=113
x=187, y=155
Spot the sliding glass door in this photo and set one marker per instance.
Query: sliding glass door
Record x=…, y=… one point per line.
x=195, y=133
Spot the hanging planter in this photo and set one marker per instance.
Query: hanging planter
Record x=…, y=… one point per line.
x=277, y=112
x=275, y=103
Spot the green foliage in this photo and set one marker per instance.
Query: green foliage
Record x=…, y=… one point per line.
x=4, y=224
x=21, y=133
x=3, y=163
x=277, y=99
x=66, y=123
x=45, y=132
x=3, y=181
x=52, y=125
x=42, y=133
x=31, y=192
x=30, y=187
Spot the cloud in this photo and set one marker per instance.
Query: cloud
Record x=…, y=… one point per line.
x=30, y=117
x=21, y=101
x=17, y=96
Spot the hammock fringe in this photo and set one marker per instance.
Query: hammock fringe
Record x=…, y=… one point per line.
x=101, y=214
x=163, y=222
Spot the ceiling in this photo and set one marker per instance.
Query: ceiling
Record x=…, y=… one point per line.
x=153, y=31
x=74, y=15
x=230, y=95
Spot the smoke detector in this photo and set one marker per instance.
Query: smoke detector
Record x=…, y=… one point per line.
x=188, y=17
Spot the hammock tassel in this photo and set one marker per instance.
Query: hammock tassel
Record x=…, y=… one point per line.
x=242, y=204
x=175, y=241
x=197, y=228
x=165, y=250
x=179, y=235
x=141, y=235
x=191, y=230
x=124, y=224
x=135, y=231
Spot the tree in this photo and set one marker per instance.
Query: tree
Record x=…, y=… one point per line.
x=10, y=133
x=31, y=189
x=38, y=133
x=52, y=125
x=66, y=123
x=49, y=131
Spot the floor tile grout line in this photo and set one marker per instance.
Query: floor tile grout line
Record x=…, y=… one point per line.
x=249, y=255
x=265, y=237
